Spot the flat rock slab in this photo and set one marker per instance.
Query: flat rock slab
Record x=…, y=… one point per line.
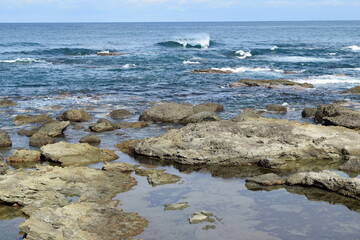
x=76, y=154
x=335, y=115
x=273, y=83
x=157, y=177
x=24, y=155
x=119, y=167
x=269, y=179
x=243, y=143
x=24, y=119
x=176, y=206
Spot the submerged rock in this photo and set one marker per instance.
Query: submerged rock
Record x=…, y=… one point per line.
x=79, y=154
x=120, y=114
x=24, y=155
x=176, y=206
x=7, y=103
x=241, y=143
x=75, y=115
x=90, y=139
x=212, y=70
x=157, y=177
x=176, y=112
x=354, y=90
x=276, y=108
x=274, y=83
x=308, y=112
x=24, y=119
x=5, y=140
x=335, y=115
x=119, y=167
x=202, y=216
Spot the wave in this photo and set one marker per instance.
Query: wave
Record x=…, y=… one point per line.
x=300, y=59
x=274, y=48
x=354, y=48
x=23, y=60
x=330, y=79
x=191, y=41
x=243, y=54
x=191, y=62
x=248, y=69
x=59, y=52
x=21, y=44
x=128, y=65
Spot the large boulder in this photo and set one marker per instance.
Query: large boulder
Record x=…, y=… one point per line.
x=273, y=83
x=120, y=114
x=176, y=112
x=24, y=119
x=5, y=140
x=75, y=115
x=241, y=143
x=24, y=155
x=76, y=154
x=7, y=103
x=102, y=125
x=332, y=114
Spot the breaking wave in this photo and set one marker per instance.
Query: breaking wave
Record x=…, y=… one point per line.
x=23, y=60
x=191, y=41
x=354, y=48
x=331, y=79
x=243, y=54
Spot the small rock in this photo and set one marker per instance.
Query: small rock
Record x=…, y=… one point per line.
x=119, y=167
x=102, y=125
x=24, y=119
x=24, y=155
x=4, y=139
x=157, y=177
x=176, y=206
x=269, y=179
x=202, y=216
x=308, y=112
x=75, y=115
x=91, y=139
x=352, y=165
x=7, y=103
x=120, y=114
x=276, y=108
x=132, y=124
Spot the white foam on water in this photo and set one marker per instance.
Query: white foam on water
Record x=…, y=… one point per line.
x=354, y=48
x=243, y=54
x=129, y=65
x=191, y=62
x=274, y=48
x=194, y=40
x=300, y=59
x=248, y=69
x=331, y=54
x=330, y=79
x=23, y=60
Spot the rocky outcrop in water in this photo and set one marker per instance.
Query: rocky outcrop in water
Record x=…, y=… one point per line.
x=157, y=177
x=7, y=103
x=335, y=115
x=177, y=112
x=274, y=83
x=24, y=155
x=201, y=117
x=102, y=125
x=246, y=114
x=354, y=90
x=75, y=115
x=276, y=108
x=242, y=143
x=308, y=112
x=212, y=71
x=120, y=114
x=128, y=146
x=47, y=133
x=5, y=140
x=139, y=124
x=76, y=154
x=24, y=119
x=90, y=139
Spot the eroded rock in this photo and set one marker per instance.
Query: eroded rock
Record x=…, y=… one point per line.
x=90, y=139
x=120, y=114
x=24, y=155
x=274, y=83
x=75, y=115
x=76, y=154
x=5, y=140
x=24, y=119
x=335, y=115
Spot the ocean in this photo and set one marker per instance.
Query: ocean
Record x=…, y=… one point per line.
x=43, y=65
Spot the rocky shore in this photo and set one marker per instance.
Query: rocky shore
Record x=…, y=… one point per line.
x=60, y=188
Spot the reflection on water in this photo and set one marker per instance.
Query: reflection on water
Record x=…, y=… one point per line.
x=10, y=218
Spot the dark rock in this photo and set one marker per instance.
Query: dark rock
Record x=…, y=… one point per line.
x=276, y=108
x=75, y=115
x=337, y=116
x=24, y=119
x=40, y=139
x=120, y=114
x=308, y=112
x=91, y=139
x=275, y=83
x=354, y=90
x=7, y=103
x=5, y=140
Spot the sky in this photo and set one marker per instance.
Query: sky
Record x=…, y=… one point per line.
x=176, y=10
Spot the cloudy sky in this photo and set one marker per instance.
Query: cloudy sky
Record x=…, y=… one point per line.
x=176, y=10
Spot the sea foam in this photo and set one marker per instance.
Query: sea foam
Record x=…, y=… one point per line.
x=23, y=60
x=189, y=41
x=354, y=48
x=243, y=54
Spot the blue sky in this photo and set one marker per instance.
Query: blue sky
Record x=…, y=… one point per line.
x=176, y=10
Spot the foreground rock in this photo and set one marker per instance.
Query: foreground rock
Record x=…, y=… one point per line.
x=76, y=154
x=242, y=143
x=308, y=112
x=212, y=70
x=120, y=114
x=348, y=187
x=45, y=195
x=352, y=165
x=75, y=115
x=47, y=133
x=177, y=112
x=7, y=103
x=246, y=114
x=24, y=155
x=90, y=139
x=335, y=115
x=354, y=90
x=275, y=83
x=24, y=119
x=276, y=108
x=157, y=177
x=4, y=140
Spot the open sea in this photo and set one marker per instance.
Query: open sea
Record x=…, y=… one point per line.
x=48, y=64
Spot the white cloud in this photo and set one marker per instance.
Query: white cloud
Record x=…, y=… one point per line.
x=333, y=3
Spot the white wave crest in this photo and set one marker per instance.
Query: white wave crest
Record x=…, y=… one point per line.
x=301, y=59
x=274, y=48
x=331, y=54
x=191, y=62
x=330, y=79
x=23, y=60
x=195, y=40
x=243, y=54
x=247, y=69
x=354, y=48
x=129, y=65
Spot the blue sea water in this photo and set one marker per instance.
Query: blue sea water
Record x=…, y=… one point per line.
x=42, y=65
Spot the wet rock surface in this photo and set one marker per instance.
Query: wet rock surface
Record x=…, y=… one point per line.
x=157, y=177
x=7, y=103
x=335, y=115
x=24, y=155
x=308, y=112
x=176, y=112
x=75, y=115
x=76, y=154
x=120, y=114
x=90, y=139
x=5, y=140
x=176, y=206
x=274, y=83
x=24, y=119
x=241, y=143
x=354, y=90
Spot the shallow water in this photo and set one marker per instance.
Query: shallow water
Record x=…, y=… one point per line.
x=42, y=65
